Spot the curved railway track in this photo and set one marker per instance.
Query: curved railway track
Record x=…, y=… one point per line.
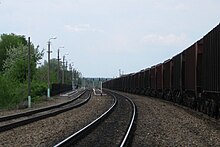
x=113, y=127
x=20, y=119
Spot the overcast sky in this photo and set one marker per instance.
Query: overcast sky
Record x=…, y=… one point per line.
x=103, y=36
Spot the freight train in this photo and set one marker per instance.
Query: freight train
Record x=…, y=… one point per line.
x=191, y=78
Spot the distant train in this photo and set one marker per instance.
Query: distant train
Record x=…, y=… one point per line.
x=191, y=78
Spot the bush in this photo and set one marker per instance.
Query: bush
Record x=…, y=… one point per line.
x=38, y=89
x=4, y=92
x=9, y=93
x=12, y=93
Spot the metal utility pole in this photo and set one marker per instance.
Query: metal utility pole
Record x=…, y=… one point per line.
x=71, y=76
x=101, y=88
x=58, y=68
x=66, y=77
x=29, y=73
x=63, y=69
x=74, y=78
x=84, y=84
x=48, y=75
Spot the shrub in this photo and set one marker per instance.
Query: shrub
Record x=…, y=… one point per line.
x=8, y=92
x=38, y=89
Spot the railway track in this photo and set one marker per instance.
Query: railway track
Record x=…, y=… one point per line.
x=20, y=119
x=112, y=128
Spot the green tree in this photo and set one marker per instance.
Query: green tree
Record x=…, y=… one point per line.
x=42, y=71
x=14, y=71
x=77, y=76
x=16, y=64
x=8, y=41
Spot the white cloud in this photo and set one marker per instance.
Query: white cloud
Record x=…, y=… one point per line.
x=164, y=39
x=81, y=28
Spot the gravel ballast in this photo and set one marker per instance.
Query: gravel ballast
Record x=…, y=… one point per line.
x=111, y=131
x=52, y=130
x=161, y=123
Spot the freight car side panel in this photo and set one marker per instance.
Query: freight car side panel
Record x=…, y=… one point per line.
x=177, y=72
x=211, y=61
x=142, y=79
x=136, y=82
x=153, y=78
x=139, y=81
x=147, y=79
x=167, y=74
x=133, y=85
x=159, y=77
x=190, y=68
x=199, y=65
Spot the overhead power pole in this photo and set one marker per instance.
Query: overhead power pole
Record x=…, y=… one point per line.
x=63, y=69
x=48, y=76
x=29, y=73
x=58, y=68
x=66, y=77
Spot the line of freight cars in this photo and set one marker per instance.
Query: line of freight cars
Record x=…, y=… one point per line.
x=191, y=78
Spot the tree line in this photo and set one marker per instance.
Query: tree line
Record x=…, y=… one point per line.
x=14, y=71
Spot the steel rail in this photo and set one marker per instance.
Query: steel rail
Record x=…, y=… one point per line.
x=84, y=131
x=129, y=129
x=76, y=136
x=42, y=116
x=31, y=112
x=125, y=140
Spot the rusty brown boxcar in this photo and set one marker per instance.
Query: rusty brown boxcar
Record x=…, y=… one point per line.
x=147, y=81
x=211, y=72
x=153, y=80
x=177, y=78
x=192, y=73
x=142, y=80
x=167, y=76
x=130, y=79
x=139, y=87
x=123, y=80
x=211, y=60
x=159, y=80
x=135, y=83
x=192, y=77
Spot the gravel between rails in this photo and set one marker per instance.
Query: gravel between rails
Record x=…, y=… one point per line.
x=52, y=130
x=160, y=123
x=111, y=131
